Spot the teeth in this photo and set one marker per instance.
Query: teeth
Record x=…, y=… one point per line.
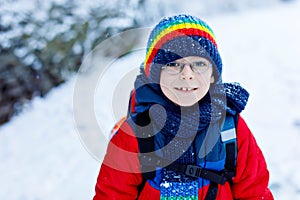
x=185, y=89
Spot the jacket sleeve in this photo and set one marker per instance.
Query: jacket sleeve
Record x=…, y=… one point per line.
x=252, y=175
x=120, y=176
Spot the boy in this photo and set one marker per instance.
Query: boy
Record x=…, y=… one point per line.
x=184, y=137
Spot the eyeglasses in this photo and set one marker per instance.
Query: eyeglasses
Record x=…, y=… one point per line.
x=196, y=66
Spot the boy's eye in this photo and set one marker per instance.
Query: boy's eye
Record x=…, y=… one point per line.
x=199, y=64
x=173, y=64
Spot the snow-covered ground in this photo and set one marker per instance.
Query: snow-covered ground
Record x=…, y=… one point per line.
x=44, y=154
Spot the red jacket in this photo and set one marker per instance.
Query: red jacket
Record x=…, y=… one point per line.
x=120, y=175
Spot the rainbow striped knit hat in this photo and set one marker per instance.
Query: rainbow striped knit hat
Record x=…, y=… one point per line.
x=177, y=37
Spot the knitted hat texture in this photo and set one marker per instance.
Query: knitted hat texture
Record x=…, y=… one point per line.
x=177, y=37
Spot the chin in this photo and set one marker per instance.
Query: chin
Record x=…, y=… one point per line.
x=189, y=102
x=186, y=104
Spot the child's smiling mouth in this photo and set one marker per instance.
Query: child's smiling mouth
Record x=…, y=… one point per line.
x=186, y=89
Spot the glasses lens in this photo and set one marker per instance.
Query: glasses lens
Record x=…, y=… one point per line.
x=173, y=67
x=200, y=66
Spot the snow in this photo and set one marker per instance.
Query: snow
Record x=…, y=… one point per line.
x=44, y=154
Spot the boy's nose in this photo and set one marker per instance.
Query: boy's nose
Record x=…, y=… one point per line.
x=187, y=73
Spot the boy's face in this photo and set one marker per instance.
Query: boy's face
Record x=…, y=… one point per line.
x=188, y=86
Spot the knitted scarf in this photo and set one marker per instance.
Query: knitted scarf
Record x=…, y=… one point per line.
x=175, y=127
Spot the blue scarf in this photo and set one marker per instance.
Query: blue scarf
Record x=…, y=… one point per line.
x=175, y=127
x=221, y=98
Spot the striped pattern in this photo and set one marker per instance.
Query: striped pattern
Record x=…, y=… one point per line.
x=170, y=28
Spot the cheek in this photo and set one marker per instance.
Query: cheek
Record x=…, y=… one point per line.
x=166, y=86
x=166, y=80
x=204, y=80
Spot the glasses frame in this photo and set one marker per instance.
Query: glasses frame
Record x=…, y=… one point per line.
x=182, y=65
